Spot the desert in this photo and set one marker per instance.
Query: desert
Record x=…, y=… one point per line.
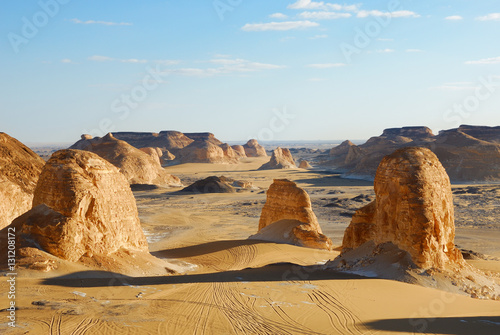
x=308, y=167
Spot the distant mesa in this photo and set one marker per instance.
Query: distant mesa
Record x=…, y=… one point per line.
x=280, y=159
x=138, y=166
x=305, y=165
x=468, y=153
x=254, y=149
x=216, y=184
x=413, y=209
x=20, y=168
x=84, y=211
x=169, y=140
x=287, y=217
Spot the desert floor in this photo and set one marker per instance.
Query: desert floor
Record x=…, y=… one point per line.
x=232, y=285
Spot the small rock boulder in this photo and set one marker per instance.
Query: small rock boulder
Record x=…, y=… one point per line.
x=254, y=149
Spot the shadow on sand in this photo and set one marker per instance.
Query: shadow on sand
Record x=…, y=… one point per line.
x=275, y=272
x=457, y=325
x=204, y=248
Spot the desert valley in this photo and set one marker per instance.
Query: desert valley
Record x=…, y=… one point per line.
x=180, y=233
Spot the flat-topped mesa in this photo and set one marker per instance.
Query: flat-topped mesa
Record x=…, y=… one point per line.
x=287, y=216
x=413, y=210
x=137, y=166
x=204, y=137
x=410, y=132
x=280, y=159
x=20, y=168
x=83, y=206
x=483, y=133
x=165, y=140
x=254, y=149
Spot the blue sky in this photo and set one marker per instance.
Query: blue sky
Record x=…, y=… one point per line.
x=272, y=70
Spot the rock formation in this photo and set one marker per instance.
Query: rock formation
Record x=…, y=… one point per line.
x=254, y=149
x=83, y=206
x=165, y=140
x=288, y=207
x=168, y=156
x=413, y=209
x=305, y=165
x=216, y=184
x=239, y=150
x=137, y=166
x=19, y=171
x=280, y=159
x=155, y=153
x=206, y=151
x=468, y=153
x=229, y=153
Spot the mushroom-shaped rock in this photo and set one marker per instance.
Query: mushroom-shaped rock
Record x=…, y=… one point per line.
x=254, y=149
x=19, y=171
x=413, y=209
x=281, y=159
x=288, y=217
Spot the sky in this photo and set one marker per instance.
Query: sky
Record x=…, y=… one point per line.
x=241, y=69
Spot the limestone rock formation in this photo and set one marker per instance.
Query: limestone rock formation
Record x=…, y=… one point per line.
x=206, y=151
x=280, y=159
x=155, y=153
x=211, y=184
x=413, y=209
x=229, y=153
x=254, y=149
x=468, y=153
x=286, y=201
x=137, y=166
x=305, y=165
x=168, y=156
x=239, y=150
x=19, y=171
x=169, y=140
x=83, y=206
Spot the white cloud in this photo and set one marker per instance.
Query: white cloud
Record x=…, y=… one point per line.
x=225, y=66
x=321, y=5
x=279, y=16
x=493, y=60
x=413, y=50
x=399, y=13
x=489, y=17
x=67, y=61
x=324, y=15
x=384, y=51
x=454, y=18
x=106, y=23
x=280, y=26
x=97, y=58
x=316, y=37
x=326, y=65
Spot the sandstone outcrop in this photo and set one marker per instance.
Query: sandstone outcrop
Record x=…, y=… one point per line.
x=216, y=184
x=280, y=159
x=165, y=140
x=168, y=156
x=83, y=206
x=155, y=153
x=229, y=153
x=19, y=171
x=254, y=149
x=137, y=166
x=413, y=210
x=239, y=150
x=287, y=214
x=305, y=165
x=468, y=153
x=206, y=151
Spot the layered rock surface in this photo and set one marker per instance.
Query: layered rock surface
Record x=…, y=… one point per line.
x=468, y=153
x=280, y=159
x=288, y=211
x=138, y=167
x=82, y=206
x=413, y=209
x=20, y=168
x=305, y=165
